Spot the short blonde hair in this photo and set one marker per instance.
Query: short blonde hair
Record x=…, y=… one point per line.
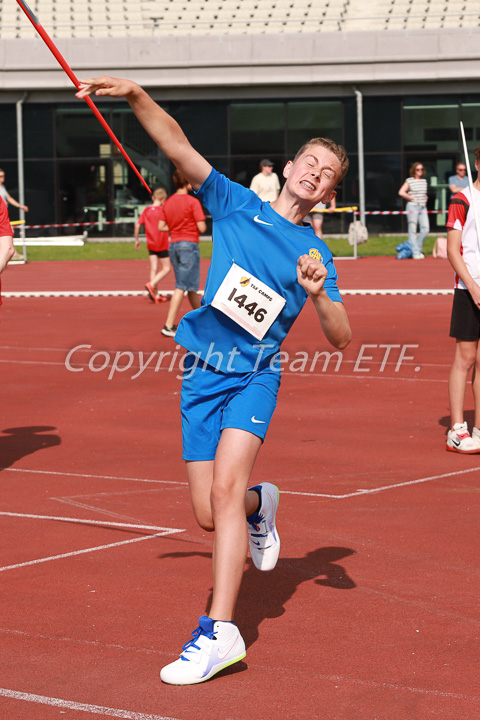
x=338, y=150
x=159, y=194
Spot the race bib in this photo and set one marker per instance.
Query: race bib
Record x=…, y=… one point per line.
x=248, y=301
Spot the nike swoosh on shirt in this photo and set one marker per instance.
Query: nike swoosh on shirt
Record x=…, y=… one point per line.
x=262, y=222
x=257, y=421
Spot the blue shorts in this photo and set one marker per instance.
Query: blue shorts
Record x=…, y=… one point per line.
x=185, y=257
x=212, y=401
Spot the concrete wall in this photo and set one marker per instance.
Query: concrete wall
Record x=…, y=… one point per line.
x=251, y=65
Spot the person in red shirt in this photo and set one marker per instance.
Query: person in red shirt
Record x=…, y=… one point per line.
x=183, y=216
x=6, y=241
x=157, y=244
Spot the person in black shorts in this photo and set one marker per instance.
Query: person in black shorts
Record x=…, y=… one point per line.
x=157, y=244
x=464, y=256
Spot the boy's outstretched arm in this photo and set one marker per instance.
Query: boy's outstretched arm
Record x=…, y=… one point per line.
x=311, y=275
x=161, y=127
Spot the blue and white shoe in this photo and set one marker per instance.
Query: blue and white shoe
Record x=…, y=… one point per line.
x=263, y=537
x=214, y=646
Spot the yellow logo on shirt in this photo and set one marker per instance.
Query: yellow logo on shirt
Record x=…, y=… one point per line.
x=315, y=254
x=244, y=281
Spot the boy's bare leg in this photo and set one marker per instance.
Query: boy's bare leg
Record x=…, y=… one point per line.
x=166, y=267
x=153, y=268
x=194, y=299
x=174, y=307
x=464, y=359
x=221, y=502
x=317, y=224
x=236, y=454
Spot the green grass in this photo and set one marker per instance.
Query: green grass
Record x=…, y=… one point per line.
x=377, y=245
x=98, y=251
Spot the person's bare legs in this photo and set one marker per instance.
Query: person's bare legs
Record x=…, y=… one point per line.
x=464, y=359
x=194, y=299
x=174, y=307
x=221, y=502
x=157, y=276
x=153, y=269
x=317, y=224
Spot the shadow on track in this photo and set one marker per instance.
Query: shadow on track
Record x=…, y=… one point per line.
x=265, y=594
x=21, y=441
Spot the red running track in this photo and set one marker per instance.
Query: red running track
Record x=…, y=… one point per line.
x=372, y=611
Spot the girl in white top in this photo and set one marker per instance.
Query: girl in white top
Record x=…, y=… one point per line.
x=414, y=191
x=464, y=256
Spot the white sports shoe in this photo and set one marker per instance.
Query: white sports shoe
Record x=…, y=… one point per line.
x=460, y=441
x=214, y=646
x=262, y=532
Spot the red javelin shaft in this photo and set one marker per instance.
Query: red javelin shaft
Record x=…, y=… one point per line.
x=59, y=57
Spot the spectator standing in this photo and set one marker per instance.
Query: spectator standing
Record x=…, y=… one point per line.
x=459, y=181
x=463, y=254
x=266, y=183
x=414, y=191
x=6, y=241
x=5, y=195
x=157, y=243
x=316, y=218
x=183, y=216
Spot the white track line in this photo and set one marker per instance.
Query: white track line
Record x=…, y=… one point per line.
x=85, y=551
x=95, y=477
x=70, y=705
x=284, y=492
x=382, y=488
x=129, y=293
x=104, y=523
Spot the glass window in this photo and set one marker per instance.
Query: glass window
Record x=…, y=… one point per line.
x=313, y=119
x=471, y=120
x=40, y=194
x=257, y=129
x=131, y=134
x=350, y=110
x=205, y=124
x=381, y=124
x=37, y=131
x=430, y=124
x=8, y=136
x=383, y=178
x=79, y=133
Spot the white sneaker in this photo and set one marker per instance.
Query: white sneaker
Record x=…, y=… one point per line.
x=459, y=439
x=418, y=256
x=214, y=646
x=476, y=435
x=262, y=533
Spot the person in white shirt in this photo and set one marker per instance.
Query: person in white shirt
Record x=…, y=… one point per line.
x=266, y=183
x=463, y=254
x=7, y=198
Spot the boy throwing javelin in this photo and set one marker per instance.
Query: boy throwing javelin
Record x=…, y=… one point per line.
x=265, y=263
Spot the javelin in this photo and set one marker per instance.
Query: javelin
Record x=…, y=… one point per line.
x=470, y=184
x=59, y=57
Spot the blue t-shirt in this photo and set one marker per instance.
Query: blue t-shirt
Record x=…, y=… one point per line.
x=250, y=233
x=458, y=182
